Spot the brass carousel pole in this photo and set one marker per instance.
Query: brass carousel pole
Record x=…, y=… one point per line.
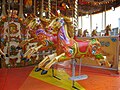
x=34, y=7
x=3, y=8
x=76, y=18
x=9, y=2
x=21, y=9
x=78, y=77
x=42, y=8
x=49, y=9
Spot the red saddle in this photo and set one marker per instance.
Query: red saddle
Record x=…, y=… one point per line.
x=83, y=45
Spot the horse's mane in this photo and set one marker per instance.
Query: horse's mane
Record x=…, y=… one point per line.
x=44, y=21
x=69, y=24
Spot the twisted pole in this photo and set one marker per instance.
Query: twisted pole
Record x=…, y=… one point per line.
x=76, y=18
x=49, y=9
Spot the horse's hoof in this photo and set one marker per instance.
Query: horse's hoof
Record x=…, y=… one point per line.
x=101, y=64
x=111, y=66
x=7, y=55
x=37, y=69
x=2, y=56
x=19, y=48
x=44, y=72
x=25, y=59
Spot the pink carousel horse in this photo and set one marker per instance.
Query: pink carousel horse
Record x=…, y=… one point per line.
x=69, y=47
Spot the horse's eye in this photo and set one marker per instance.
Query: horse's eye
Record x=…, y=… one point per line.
x=56, y=19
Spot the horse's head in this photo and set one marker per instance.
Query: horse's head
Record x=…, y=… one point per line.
x=56, y=23
x=35, y=22
x=108, y=30
x=94, y=32
x=85, y=31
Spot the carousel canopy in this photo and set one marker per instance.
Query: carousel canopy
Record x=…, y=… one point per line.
x=84, y=6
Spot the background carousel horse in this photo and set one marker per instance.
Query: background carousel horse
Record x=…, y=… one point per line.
x=69, y=47
x=85, y=33
x=32, y=23
x=45, y=39
x=94, y=32
x=80, y=32
x=108, y=30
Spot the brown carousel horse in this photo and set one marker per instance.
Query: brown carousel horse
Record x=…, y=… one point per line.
x=85, y=33
x=80, y=32
x=69, y=47
x=94, y=33
x=108, y=30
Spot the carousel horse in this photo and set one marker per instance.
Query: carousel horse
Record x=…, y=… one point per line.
x=85, y=33
x=80, y=32
x=69, y=47
x=94, y=33
x=32, y=23
x=45, y=39
x=108, y=30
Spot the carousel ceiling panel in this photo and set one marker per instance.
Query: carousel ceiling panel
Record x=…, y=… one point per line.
x=84, y=6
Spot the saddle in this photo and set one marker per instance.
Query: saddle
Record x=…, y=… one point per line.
x=82, y=45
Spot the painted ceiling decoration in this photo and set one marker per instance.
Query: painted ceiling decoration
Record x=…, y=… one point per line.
x=85, y=6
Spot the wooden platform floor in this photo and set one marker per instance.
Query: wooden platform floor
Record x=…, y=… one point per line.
x=21, y=79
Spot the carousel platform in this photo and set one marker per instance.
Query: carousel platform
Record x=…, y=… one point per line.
x=26, y=79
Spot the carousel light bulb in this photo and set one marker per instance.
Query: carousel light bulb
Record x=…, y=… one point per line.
x=26, y=14
x=58, y=11
x=67, y=6
x=43, y=13
x=87, y=16
x=113, y=9
x=38, y=12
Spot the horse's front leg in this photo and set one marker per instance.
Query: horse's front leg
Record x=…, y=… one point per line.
x=44, y=61
x=24, y=42
x=107, y=63
x=53, y=61
x=2, y=52
x=28, y=52
x=34, y=50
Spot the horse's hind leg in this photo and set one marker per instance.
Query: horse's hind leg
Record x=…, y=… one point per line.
x=44, y=61
x=29, y=51
x=34, y=50
x=54, y=60
x=98, y=62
